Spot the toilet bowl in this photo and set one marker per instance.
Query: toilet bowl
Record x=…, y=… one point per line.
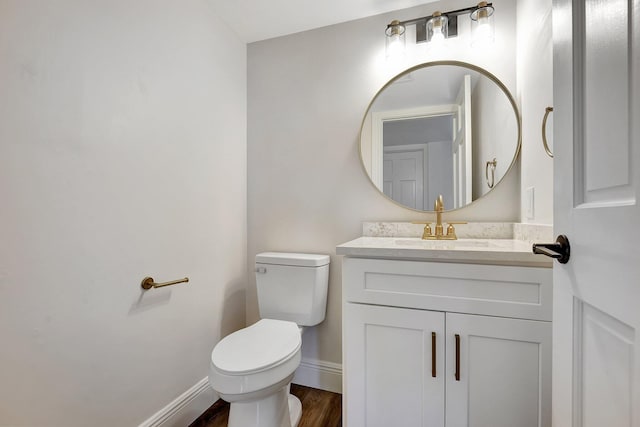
x=253, y=367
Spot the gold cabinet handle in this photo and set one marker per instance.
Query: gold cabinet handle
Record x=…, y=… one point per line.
x=433, y=354
x=544, y=131
x=148, y=283
x=457, y=374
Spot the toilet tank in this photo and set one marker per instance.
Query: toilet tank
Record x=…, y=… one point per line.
x=292, y=286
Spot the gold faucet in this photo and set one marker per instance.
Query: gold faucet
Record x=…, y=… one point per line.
x=438, y=206
x=439, y=234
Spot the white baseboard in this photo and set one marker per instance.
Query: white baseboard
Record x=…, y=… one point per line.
x=319, y=374
x=185, y=408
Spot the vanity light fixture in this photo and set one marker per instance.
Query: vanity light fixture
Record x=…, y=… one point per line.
x=395, y=40
x=437, y=28
x=442, y=25
x=482, y=28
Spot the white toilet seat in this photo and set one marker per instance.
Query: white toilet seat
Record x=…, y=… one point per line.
x=256, y=357
x=255, y=348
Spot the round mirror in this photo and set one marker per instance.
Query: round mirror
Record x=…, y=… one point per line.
x=442, y=128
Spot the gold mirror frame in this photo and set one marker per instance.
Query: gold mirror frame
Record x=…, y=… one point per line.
x=469, y=66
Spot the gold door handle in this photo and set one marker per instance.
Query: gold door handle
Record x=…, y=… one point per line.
x=148, y=283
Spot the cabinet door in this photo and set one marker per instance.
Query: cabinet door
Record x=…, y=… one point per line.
x=504, y=374
x=388, y=377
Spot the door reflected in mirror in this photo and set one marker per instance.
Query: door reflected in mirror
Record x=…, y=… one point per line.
x=432, y=129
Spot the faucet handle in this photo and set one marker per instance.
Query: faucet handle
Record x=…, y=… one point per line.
x=427, y=233
x=451, y=231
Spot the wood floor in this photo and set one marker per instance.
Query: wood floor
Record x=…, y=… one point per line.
x=319, y=409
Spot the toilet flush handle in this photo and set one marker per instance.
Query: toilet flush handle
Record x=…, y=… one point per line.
x=261, y=270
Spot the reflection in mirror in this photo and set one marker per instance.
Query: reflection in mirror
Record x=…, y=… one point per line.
x=436, y=129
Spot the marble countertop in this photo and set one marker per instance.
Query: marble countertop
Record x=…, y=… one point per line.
x=477, y=251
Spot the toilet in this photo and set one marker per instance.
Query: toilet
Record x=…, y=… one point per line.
x=253, y=367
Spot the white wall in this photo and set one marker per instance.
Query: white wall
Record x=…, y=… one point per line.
x=535, y=93
x=496, y=141
x=122, y=155
x=307, y=190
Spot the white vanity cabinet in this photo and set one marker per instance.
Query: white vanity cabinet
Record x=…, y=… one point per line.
x=446, y=344
x=388, y=366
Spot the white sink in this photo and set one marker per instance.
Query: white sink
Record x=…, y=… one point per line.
x=489, y=251
x=446, y=244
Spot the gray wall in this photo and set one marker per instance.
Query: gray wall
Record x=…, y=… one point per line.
x=535, y=93
x=307, y=190
x=495, y=133
x=418, y=131
x=122, y=155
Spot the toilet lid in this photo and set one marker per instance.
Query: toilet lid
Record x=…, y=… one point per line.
x=260, y=346
x=294, y=259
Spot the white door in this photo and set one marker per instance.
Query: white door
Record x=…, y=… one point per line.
x=393, y=378
x=596, y=323
x=403, y=176
x=498, y=372
x=462, y=173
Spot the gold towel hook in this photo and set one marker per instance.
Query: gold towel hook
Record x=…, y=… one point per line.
x=544, y=131
x=148, y=283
